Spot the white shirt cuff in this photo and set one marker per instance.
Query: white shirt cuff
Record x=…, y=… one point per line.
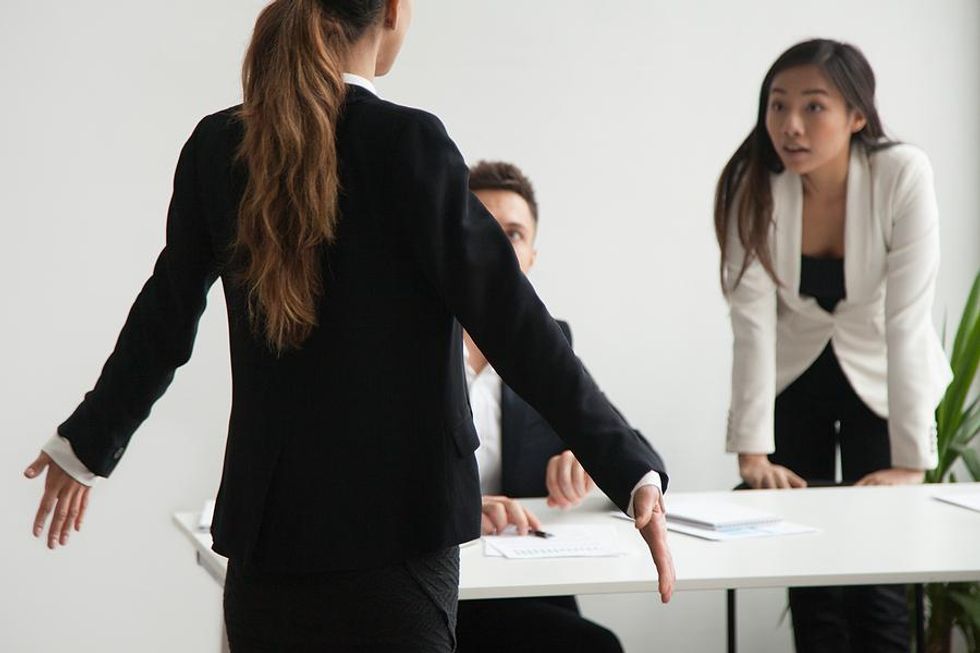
x=64, y=456
x=650, y=478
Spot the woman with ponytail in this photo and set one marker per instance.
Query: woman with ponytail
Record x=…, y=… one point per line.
x=350, y=252
x=829, y=252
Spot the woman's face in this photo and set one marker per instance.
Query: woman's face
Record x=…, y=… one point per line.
x=398, y=17
x=808, y=120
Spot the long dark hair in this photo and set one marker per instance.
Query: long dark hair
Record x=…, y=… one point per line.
x=293, y=92
x=743, y=193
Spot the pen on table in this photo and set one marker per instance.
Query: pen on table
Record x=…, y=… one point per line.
x=536, y=533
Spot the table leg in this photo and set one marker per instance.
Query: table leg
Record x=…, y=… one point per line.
x=732, y=643
x=920, y=619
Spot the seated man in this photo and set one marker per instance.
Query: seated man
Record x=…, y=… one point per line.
x=519, y=456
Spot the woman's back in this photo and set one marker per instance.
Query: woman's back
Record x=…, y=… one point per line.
x=372, y=386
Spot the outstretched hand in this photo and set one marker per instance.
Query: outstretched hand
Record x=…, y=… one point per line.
x=64, y=498
x=651, y=520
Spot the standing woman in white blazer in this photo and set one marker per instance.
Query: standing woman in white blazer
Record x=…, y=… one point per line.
x=829, y=252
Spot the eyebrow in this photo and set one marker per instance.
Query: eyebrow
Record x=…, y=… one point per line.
x=809, y=91
x=519, y=225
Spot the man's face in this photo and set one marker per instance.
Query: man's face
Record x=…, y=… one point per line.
x=514, y=216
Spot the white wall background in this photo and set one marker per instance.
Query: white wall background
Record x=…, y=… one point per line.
x=622, y=113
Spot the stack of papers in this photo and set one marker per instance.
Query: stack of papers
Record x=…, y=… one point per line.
x=566, y=542
x=713, y=519
x=703, y=512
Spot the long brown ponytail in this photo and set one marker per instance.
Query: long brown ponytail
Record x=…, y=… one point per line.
x=293, y=87
x=743, y=193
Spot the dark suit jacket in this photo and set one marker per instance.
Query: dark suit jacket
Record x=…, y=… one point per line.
x=528, y=442
x=357, y=449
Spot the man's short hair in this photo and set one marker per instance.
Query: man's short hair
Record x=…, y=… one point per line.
x=500, y=175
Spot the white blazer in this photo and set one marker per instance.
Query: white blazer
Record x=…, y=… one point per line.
x=882, y=331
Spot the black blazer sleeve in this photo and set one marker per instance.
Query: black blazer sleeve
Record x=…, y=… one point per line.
x=465, y=256
x=529, y=442
x=158, y=334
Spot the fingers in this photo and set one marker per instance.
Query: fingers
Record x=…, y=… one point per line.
x=655, y=534
x=75, y=511
x=494, y=511
x=500, y=511
x=794, y=480
x=58, y=518
x=551, y=482
x=775, y=477
x=565, y=477
x=82, y=507
x=578, y=481
x=35, y=468
x=780, y=479
x=567, y=481
x=48, y=500
x=516, y=516
x=646, y=501
x=532, y=519
x=64, y=500
x=486, y=526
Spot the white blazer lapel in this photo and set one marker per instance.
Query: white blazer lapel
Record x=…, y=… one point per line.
x=787, y=210
x=862, y=243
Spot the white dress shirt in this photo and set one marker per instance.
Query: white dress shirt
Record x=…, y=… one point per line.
x=485, y=390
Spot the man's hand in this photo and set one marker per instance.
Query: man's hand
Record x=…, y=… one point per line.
x=63, y=495
x=651, y=520
x=894, y=476
x=567, y=481
x=500, y=511
x=759, y=473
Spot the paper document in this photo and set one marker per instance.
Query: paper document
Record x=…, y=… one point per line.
x=568, y=542
x=741, y=533
x=710, y=512
x=970, y=500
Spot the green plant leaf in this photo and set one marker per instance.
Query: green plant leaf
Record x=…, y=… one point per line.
x=972, y=461
x=963, y=361
x=970, y=425
x=971, y=313
x=964, y=371
x=969, y=603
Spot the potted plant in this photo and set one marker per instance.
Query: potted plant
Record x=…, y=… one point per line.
x=957, y=605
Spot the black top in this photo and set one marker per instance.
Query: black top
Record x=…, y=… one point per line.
x=357, y=449
x=823, y=279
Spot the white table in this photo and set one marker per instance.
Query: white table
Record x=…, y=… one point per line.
x=867, y=535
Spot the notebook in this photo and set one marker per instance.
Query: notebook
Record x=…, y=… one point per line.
x=717, y=514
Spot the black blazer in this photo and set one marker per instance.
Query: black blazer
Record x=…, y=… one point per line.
x=357, y=449
x=527, y=443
